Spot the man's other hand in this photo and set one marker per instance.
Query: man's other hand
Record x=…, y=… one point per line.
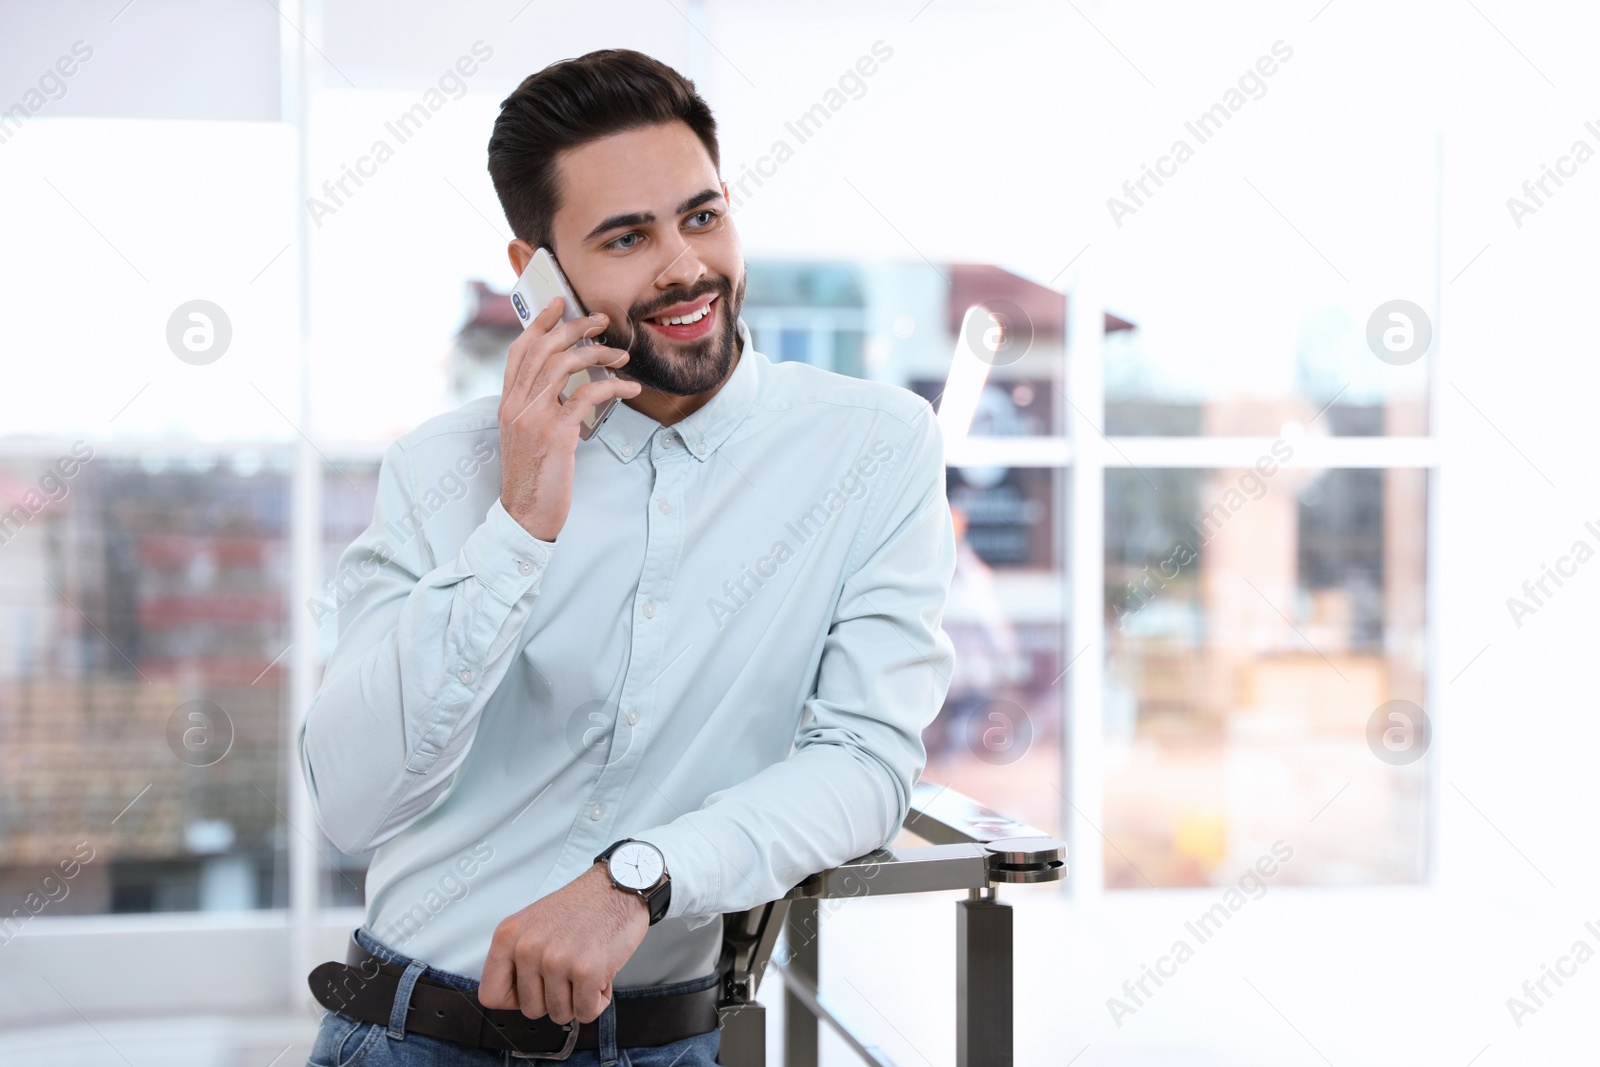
x=558, y=955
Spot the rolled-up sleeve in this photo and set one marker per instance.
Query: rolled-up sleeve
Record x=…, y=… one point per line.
x=885, y=669
x=421, y=648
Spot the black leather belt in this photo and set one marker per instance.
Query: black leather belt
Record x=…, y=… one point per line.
x=363, y=987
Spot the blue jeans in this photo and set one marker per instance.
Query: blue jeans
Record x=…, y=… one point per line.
x=345, y=1042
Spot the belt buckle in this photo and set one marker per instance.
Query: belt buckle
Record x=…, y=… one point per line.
x=572, y=1041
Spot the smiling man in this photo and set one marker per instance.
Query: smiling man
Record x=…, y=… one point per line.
x=613, y=688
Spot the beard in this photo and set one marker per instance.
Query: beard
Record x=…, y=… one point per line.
x=685, y=368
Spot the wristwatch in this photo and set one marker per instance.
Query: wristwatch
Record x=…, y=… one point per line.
x=638, y=867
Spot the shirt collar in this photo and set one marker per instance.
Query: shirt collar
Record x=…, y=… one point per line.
x=627, y=431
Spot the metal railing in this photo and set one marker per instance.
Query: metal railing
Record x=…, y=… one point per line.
x=972, y=848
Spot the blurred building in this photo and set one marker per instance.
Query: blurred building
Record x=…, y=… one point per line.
x=140, y=702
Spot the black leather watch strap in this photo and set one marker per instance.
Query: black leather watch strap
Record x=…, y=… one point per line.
x=659, y=902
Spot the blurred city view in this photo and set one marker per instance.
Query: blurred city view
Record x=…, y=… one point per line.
x=1253, y=617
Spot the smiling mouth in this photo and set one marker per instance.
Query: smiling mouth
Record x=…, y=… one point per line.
x=690, y=327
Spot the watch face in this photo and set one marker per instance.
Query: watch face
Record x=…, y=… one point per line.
x=637, y=865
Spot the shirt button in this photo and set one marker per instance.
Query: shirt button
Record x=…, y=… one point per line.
x=633, y=716
x=649, y=609
x=627, y=450
x=701, y=447
x=596, y=811
x=466, y=677
x=524, y=568
x=667, y=441
x=666, y=508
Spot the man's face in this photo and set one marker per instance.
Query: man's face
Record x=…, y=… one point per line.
x=644, y=229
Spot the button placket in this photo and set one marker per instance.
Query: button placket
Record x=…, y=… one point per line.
x=646, y=659
x=664, y=531
x=663, y=546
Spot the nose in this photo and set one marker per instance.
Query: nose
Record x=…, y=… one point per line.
x=683, y=270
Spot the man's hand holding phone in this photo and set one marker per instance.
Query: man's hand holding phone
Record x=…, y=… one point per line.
x=538, y=431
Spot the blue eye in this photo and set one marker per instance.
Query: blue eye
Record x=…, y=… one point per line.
x=709, y=215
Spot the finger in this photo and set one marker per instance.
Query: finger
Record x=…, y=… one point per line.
x=495, y=987
x=532, y=383
x=564, y=365
x=578, y=360
x=530, y=991
x=551, y=381
x=588, y=395
x=589, y=999
x=538, y=326
x=599, y=354
x=560, y=338
x=558, y=995
x=546, y=333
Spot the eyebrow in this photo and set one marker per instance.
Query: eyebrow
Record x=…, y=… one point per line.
x=645, y=218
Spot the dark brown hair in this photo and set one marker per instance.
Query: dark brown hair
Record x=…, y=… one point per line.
x=573, y=102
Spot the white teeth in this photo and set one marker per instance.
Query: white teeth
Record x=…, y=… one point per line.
x=685, y=320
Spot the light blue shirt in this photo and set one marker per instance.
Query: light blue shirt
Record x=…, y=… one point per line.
x=730, y=651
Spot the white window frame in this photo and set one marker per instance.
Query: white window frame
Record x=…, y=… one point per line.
x=1083, y=455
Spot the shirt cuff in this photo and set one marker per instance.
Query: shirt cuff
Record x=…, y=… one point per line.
x=505, y=557
x=694, y=877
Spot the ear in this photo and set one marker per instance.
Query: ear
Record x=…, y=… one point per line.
x=520, y=253
x=725, y=198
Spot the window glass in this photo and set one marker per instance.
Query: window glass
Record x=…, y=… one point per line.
x=1265, y=673
x=143, y=628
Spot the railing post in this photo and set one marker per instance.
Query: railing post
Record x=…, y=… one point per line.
x=744, y=1035
x=801, y=935
x=969, y=847
x=983, y=981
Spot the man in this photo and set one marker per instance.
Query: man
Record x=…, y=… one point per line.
x=708, y=635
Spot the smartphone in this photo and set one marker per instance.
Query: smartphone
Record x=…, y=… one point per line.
x=539, y=284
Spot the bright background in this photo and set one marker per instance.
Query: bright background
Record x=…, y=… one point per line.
x=1171, y=731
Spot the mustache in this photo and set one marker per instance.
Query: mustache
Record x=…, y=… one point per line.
x=635, y=315
x=720, y=286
